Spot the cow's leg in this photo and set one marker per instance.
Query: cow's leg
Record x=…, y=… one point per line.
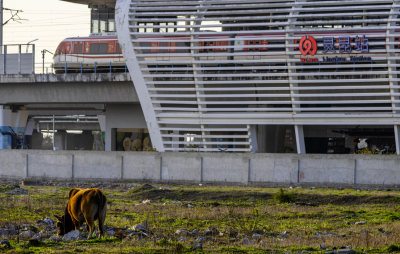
x=101, y=217
x=77, y=224
x=101, y=223
x=90, y=225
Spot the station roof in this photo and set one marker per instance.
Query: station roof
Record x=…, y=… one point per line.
x=90, y=3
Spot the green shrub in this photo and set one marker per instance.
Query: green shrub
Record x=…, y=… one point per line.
x=393, y=248
x=284, y=197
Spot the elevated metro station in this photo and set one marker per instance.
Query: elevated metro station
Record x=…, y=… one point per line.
x=265, y=76
x=255, y=76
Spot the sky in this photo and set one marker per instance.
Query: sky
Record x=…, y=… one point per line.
x=49, y=21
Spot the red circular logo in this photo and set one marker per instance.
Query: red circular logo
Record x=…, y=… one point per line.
x=307, y=45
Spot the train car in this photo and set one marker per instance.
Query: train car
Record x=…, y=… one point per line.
x=102, y=53
x=89, y=54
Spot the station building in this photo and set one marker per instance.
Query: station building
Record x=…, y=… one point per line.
x=261, y=76
x=265, y=76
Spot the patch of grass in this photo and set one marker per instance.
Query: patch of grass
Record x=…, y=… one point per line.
x=349, y=213
x=237, y=250
x=6, y=188
x=310, y=217
x=98, y=240
x=301, y=248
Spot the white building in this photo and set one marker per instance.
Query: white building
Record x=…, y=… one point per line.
x=265, y=76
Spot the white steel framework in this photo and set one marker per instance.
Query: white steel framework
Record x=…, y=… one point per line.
x=207, y=70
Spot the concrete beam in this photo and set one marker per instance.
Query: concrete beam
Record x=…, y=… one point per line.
x=67, y=92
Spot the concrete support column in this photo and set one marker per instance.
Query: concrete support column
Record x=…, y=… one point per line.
x=397, y=138
x=5, y=142
x=253, y=138
x=60, y=140
x=108, y=140
x=107, y=137
x=12, y=126
x=301, y=147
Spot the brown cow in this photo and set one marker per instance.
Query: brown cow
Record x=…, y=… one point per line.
x=84, y=205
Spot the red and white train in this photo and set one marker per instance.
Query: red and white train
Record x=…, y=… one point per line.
x=103, y=53
x=89, y=54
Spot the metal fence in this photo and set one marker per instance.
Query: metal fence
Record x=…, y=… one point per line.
x=17, y=59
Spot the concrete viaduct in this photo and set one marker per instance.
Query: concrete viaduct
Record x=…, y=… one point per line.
x=106, y=101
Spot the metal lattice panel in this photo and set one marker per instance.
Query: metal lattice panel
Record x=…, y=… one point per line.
x=207, y=70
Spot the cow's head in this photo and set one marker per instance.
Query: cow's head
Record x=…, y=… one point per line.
x=60, y=225
x=63, y=225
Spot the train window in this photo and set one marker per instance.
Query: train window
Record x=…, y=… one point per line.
x=80, y=48
x=163, y=29
x=75, y=48
x=111, y=25
x=103, y=27
x=149, y=29
x=95, y=26
x=143, y=28
x=98, y=48
x=62, y=49
x=170, y=28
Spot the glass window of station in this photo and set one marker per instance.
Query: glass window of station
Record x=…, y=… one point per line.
x=102, y=20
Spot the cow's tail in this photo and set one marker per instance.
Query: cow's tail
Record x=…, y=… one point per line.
x=101, y=211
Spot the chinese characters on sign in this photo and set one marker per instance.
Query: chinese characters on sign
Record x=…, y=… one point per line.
x=345, y=44
x=340, y=44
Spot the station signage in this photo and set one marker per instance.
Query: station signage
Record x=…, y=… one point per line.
x=340, y=45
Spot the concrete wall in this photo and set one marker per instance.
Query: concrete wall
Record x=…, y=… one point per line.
x=228, y=168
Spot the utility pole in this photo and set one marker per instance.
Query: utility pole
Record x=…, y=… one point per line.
x=13, y=17
x=1, y=26
x=43, y=55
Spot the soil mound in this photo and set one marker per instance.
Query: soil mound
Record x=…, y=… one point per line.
x=142, y=188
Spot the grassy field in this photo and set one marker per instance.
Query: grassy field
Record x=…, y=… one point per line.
x=215, y=219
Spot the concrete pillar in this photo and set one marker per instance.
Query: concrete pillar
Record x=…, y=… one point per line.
x=60, y=140
x=253, y=138
x=105, y=134
x=301, y=148
x=12, y=125
x=5, y=140
x=397, y=138
x=108, y=139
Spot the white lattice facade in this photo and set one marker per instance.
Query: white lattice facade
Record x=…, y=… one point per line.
x=208, y=71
